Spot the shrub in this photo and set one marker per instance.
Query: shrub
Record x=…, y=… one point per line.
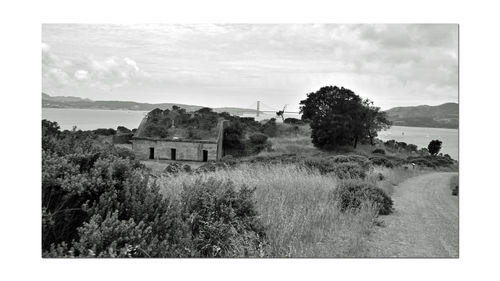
x=360, y=160
x=123, y=130
x=233, y=138
x=229, y=160
x=257, y=143
x=432, y=161
x=223, y=221
x=351, y=194
x=82, y=191
x=412, y=148
x=98, y=202
x=342, y=170
x=277, y=159
x=123, y=153
x=258, y=138
x=175, y=168
x=293, y=121
x=381, y=161
x=349, y=170
x=105, y=132
x=122, y=138
x=378, y=151
x=423, y=162
x=212, y=167
x=270, y=128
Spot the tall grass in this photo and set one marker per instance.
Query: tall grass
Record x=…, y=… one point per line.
x=388, y=178
x=296, y=144
x=297, y=208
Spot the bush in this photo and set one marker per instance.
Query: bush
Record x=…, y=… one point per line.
x=381, y=161
x=233, y=138
x=214, y=166
x=270, y=128
x=104, y=132
x=175, y=168
x=349, y=170
x=123, y=130
x=123, y=138
x=79, y=194
x=258, y=138
x=98, y=202
x=351, y=194
x=342, y=170
x=378, y=151
x=432, y=161
x=423, y=162
x=123, y=153
x=293, y=121
x=360, y=160
x=223, y=221
x=257, y=143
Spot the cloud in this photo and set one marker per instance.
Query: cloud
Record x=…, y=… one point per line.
x=239, y=62
x=106, y=73
x=81, y=74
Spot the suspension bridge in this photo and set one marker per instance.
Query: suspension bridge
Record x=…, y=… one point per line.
x=264, y=108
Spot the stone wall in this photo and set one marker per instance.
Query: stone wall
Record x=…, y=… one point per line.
x=185, y=150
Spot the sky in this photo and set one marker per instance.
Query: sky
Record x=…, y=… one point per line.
x=219, y=65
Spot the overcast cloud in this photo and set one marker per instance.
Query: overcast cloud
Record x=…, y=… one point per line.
x=235, y=65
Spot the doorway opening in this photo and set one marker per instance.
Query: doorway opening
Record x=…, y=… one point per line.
x=151, y=153
x=173, y=154
x=205, y=155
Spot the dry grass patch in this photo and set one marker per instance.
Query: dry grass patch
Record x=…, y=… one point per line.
x=297, y=209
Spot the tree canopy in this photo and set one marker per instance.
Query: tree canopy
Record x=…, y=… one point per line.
x=339, y=117
x=434, y=147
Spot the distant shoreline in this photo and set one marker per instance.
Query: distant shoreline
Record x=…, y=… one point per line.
x=141, y=110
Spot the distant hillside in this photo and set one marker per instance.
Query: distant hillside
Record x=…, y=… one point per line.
x=76, y=102
x=440, y=116
x=63, y=99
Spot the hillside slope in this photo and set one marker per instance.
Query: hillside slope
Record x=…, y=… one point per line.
x=76, y=102
x=440, y=116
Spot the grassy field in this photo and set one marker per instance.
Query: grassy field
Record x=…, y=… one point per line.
x=296, y=206
x=294, y=203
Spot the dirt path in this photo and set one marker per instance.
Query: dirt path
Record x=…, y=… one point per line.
x=425, y=221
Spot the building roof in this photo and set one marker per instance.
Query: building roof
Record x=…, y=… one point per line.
x=179, y=125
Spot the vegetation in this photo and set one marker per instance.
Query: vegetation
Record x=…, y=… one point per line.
x=378, y=151
x=293, y=121
x=353, y=193
x=434, y=147
x=275, y=194
x=340, y=117
x=454, y=185
x=432, y=161
x=99, y=202
x=382, y=161
x=440, y=116
x=296, y=206
x=345, y=170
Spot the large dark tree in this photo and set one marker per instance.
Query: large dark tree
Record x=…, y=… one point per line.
x=373, y=121
x=434, y=147
x=339, y=117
